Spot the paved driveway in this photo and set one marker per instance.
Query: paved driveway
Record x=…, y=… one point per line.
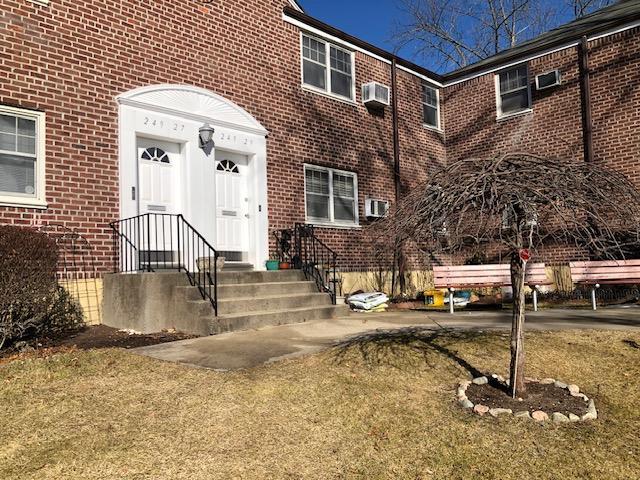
x=251, y=348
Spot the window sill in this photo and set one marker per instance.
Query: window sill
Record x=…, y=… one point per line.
x=324, y=93
x=508, y=116
x=337, y=226
x=432, y=128
x=44, y=3
x=23, y=203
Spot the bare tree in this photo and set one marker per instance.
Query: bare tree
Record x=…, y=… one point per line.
x=520, y=201
x=455, y=33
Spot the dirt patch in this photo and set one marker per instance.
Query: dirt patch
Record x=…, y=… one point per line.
x=94, y=337
x=101, y=336
x=547, y=398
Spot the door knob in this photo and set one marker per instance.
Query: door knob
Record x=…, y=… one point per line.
x=246, y=215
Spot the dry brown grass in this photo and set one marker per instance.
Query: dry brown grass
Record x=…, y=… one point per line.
x=382, y=408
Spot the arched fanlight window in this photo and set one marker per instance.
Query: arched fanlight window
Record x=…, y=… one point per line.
x=227, y=166
x=154, y=154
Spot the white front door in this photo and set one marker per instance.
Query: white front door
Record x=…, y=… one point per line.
x=158, y=195
x=158, y=179
x=232, y=205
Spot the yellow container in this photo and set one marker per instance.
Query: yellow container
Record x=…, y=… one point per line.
x=434, y=298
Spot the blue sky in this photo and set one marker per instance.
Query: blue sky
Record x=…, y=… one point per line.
x=372, y=21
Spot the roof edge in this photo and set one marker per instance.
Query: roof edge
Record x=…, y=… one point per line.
x=532, y=47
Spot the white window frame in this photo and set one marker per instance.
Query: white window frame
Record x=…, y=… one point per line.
x=38, y=200
x=327, y=66
x=499, y=114
x=332, y=222
x=425, y=124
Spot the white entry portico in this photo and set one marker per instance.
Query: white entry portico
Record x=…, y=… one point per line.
x=163, y=169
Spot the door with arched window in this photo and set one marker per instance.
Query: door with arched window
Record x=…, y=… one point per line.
x=232, y=206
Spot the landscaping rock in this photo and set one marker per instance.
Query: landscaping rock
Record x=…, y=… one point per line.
x=540, y=416
x=560, y=384
x=499, y=378
x=547, y=381
x=573, y=389
x=466, y=403
x=494, y=412
x=524, y=414
x=592, y=413
x=573, y=417
x=558, y=417
x=481, y=381
x=581, y=395
x=462, y=393
x=480, y=409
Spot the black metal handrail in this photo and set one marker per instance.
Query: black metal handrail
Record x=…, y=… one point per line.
x=315, y=259
x=159, y=241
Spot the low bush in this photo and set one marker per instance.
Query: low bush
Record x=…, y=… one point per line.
x=31, y=302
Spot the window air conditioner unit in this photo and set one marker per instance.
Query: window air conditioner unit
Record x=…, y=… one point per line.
x=376, y=208
x=375, y=95
x=548, y=80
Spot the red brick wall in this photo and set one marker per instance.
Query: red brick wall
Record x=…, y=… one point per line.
x=615, y=94
x=553, y=128
x=72, y=58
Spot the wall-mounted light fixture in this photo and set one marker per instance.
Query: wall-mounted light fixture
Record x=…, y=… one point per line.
x=205, y=133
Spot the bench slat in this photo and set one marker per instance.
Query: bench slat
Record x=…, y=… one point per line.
x=495, y=275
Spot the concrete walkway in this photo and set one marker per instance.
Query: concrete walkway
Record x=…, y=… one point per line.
x=255, y=347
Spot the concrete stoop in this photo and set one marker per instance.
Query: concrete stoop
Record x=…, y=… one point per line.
x=151, y=302
x=248, y=300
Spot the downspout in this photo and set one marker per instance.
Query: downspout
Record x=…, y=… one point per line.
x=585, y=100
x=398, y=254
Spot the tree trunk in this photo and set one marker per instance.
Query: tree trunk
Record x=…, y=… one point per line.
x=516, y=371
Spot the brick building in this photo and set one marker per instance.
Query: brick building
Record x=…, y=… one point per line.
x=102, y=105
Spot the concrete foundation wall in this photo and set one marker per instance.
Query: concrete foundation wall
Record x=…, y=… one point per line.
x=151, y=302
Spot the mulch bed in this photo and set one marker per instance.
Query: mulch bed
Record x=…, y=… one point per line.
x=547, y=398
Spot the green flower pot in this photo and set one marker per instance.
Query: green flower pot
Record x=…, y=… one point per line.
x=273, y=265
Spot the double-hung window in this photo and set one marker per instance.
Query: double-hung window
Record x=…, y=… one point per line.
x=430, y=107
x=327, y=67
x=21, y=157
x=331, y=196
x=513, y=91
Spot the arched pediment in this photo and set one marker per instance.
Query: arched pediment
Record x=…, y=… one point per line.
x=192, y=102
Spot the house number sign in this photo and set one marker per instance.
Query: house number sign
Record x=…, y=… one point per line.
x=160, y=124
x=173, y=126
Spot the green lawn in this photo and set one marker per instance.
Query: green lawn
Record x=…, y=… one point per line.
x=382, y=408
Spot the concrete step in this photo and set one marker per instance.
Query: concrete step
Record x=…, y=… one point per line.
x=272, y=302
x=227, y=278
x=248, y=321
x=242, y=290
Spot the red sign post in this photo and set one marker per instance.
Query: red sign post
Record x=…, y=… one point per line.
x=525, y=254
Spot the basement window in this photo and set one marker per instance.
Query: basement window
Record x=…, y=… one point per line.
x=331, y=196
x=21, y=157
x=327, y=68
x=514, y=93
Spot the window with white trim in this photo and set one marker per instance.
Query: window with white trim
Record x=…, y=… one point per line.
x=513, y=91
x=21, y=157
x=331, y=196
x=430, y=106
x=327, y=67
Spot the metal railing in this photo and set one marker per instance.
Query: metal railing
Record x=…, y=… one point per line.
x=317, y=261
x=163, y=242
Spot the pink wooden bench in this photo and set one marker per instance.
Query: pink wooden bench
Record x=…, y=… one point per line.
x=608, y=272
x=480, y=276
